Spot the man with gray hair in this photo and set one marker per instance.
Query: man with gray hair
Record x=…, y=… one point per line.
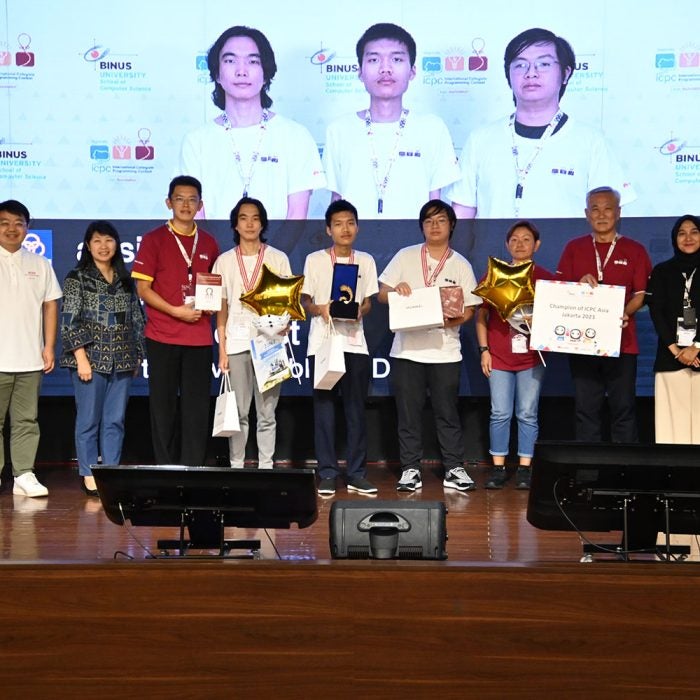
x=606, y=257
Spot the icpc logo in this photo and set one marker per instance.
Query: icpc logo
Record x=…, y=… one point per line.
x=95, y=53
x=322, y=56
x=40, y=242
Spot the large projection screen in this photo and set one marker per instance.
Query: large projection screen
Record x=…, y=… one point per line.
x=95, y=100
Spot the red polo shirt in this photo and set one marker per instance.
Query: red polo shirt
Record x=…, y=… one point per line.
x=629, y=266
x=160, y=259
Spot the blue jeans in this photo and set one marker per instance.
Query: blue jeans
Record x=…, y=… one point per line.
x=521, y=388
x=99, y=422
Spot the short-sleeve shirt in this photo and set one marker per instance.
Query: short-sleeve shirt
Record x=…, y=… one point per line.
x=239, y=324
x=500, y=337
x=160, y=260
x=287, y=162
x=574, y=160
x=437, y=345
x=27, y=281
x=629, y=266
x=318, y=280
x=424, y=161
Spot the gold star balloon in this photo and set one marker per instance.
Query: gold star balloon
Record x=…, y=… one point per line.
x=507, y=287
x=274, y=295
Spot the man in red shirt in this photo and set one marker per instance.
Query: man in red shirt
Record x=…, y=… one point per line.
x=606, y=257
x=178, y=338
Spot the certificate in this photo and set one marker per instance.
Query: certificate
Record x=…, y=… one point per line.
x=577, y=318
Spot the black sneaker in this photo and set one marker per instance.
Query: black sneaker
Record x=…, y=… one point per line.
x=497, y=478
x=457, y=478
x=522, y=478
x=361, y=485
x=326, y=487
x=410, y=480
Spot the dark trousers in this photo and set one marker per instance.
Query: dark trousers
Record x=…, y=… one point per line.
x=594, y=377
x=352, y=387
x=179, y=432
x=410, y=381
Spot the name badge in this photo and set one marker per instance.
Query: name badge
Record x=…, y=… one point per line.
x=518, y=344
x=684, y=336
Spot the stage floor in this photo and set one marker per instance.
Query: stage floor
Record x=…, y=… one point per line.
x=483, y=526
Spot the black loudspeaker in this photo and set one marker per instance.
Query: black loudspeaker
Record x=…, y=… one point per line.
x=388, y=530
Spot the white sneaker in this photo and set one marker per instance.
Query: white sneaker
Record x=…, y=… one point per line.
x=28, y=485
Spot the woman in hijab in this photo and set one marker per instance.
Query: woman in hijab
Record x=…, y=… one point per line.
x=673, y=296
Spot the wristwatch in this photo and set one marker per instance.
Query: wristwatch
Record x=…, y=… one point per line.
x=483, y=348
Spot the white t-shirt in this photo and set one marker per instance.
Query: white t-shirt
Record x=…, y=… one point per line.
x=318, y=279
x=239, y=325
x=425, y=161
x=26, y=282
x=436, y=345
x=288, y=162
x=573, y=161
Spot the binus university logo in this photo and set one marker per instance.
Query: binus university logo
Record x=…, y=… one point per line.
x=95, y=53
x=322, y=57
x=671, y=147
x=39, y=242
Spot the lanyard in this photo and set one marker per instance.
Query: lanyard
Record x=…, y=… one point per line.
x=522, y=173
x=187, y=258
x=246, y=179
x=248, y=282
x=334, y=258
x=427, y=278
x=686, y=291
x=381, y=184
x=600, y=267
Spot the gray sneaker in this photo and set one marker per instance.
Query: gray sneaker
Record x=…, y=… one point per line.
x=410, y=480
x=457, y=478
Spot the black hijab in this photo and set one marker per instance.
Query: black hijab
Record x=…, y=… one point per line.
x=687, y=262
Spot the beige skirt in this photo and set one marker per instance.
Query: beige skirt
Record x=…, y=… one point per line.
x=677, y=421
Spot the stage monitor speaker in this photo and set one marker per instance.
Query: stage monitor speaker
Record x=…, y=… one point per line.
x=388, y=530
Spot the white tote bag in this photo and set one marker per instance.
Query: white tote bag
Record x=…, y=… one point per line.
x=226, y=412
x=329, y=362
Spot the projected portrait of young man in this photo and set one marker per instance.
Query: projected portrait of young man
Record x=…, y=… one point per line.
x=386, y=159
x=539, y=161
x=249, y=150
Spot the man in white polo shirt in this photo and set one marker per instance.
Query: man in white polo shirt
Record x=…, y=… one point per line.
x=29, y=320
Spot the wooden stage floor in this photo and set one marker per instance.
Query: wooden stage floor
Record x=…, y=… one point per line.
x=483, y=526
x=512, y=613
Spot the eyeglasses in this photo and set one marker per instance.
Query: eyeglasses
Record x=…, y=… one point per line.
x=545, y=65
x=192, y=201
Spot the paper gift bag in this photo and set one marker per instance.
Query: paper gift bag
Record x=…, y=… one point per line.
x=329, y=362
x=452, y=299
x=226, y=412
x=421, y=309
